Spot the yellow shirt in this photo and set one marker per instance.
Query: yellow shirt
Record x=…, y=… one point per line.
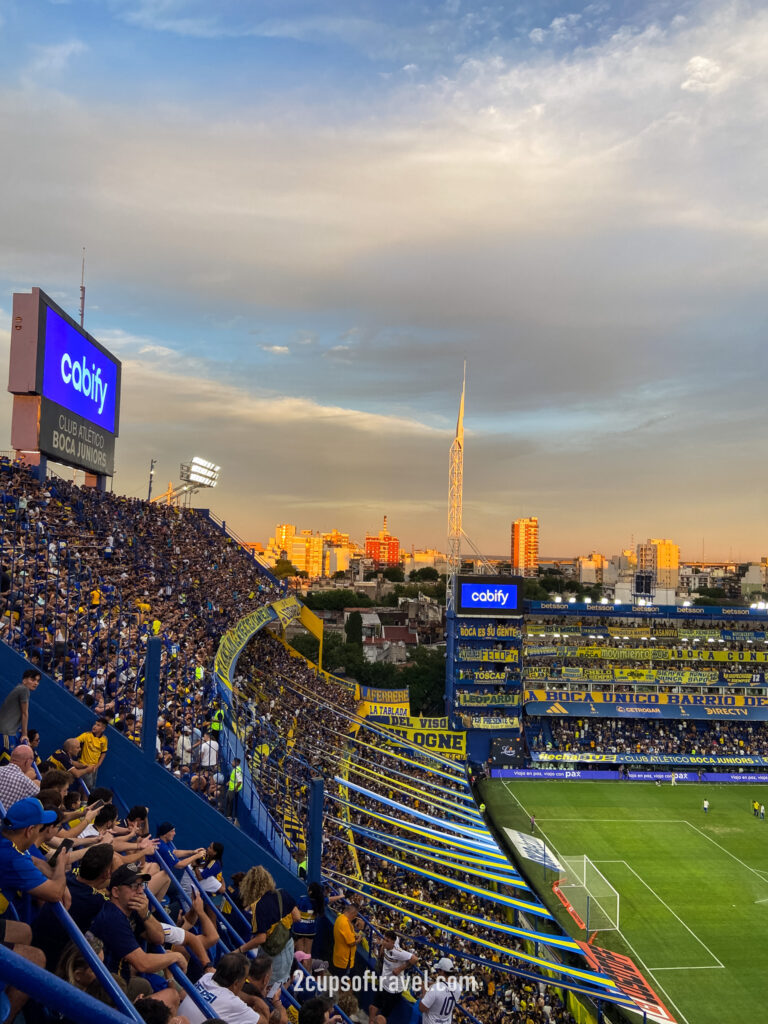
x=344, y=943
x=93, y=747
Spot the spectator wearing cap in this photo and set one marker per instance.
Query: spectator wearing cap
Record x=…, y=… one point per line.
x=439, y=1001
x=125, y=924
x=176, y=859
x=94, y=750
x=21, y=829
x=15, y=782
x=14, y=711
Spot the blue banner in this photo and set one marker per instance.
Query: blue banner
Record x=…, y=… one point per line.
x=589, y=757
x=604, y=776
x=665, y=611
x=698, y=712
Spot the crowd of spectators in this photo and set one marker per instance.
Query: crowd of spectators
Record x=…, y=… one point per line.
x=87, y=579
x=291, y=734
x=653, y=736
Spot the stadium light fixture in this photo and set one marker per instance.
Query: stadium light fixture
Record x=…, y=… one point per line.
x=617, y=602
x=753, y=605
x=558, y=599
x=686, y=604
x=203, y=473
x=571, y=600
x=604, y=600
x=587, y=600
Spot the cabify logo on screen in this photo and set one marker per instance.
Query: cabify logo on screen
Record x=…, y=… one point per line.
x=489, y=595
x=78, y=375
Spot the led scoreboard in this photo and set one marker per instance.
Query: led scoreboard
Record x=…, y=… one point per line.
x=489, y=596
x=66, y=387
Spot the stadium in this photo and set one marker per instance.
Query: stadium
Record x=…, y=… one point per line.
x=199, y=823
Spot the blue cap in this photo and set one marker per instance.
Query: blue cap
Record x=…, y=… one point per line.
x=27, y=812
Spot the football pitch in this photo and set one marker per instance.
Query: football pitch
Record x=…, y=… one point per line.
x=693, y=886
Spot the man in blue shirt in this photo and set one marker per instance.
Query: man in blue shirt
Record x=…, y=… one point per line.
x=125, y=924
x=87, y=890
x=21, y=828
x=176, y=859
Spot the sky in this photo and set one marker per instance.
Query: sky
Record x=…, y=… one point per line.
x=301, y=218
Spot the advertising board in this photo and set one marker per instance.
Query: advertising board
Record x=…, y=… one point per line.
x=491, y=596
x=73, y=382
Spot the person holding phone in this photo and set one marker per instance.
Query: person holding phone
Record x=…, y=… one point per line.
x=261, y=993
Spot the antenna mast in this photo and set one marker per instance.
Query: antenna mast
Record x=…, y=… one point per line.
x=82, y=290
x=456, y=501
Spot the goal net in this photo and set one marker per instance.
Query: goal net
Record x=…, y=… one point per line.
x=589, y=894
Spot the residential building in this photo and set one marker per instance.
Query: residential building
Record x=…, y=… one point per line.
x=383, y=549
x=592, y=568
x=662, y=559
x=525, y=546
x=306, y=553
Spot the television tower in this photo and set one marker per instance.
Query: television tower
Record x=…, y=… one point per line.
x=455, y=501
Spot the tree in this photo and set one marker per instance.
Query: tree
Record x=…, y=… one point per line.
x=394, y=574
x=284, y=568
x=307, y=645
x=425, y=678
x=339, y=574
x=353, y=628
x=427, y=575
x=534, y=591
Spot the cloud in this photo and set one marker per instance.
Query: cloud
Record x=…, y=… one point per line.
x=571, y=219
x=277, y=350
x=704, y=75
x=49, y=61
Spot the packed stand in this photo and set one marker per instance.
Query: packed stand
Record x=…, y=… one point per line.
x=652, y=736
x=290, y=734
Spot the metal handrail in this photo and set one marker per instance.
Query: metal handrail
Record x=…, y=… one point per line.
x=105, y=979
x=56, y=993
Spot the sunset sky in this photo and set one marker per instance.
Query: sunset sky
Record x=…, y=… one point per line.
x=301, y=218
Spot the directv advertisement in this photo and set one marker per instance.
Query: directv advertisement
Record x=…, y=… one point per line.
x=77, y=379
x=489, y=596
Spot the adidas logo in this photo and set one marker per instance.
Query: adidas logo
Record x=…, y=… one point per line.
x=556, y=709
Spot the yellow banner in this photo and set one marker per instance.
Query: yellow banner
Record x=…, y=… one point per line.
x=671, y=654
x=385, y=696
x=473, y=654
x=442, y=741
x=415, y=722
x=673, y=699
x=370, y=709
x=488, y=631
x=648, y=630
x=287, y=610
x=235, y=639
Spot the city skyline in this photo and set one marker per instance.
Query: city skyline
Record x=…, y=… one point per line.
x=294, y=252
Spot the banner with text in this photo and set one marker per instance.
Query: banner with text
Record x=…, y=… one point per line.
x=572, y=757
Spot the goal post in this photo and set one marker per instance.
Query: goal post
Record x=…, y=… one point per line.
x=592, y=899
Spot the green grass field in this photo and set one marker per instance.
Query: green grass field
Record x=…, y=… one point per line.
x=693, y=887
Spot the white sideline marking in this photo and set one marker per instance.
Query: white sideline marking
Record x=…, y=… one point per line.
x=636, y=955
x=754, y=871
x=671, y=911
x=712, y=967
